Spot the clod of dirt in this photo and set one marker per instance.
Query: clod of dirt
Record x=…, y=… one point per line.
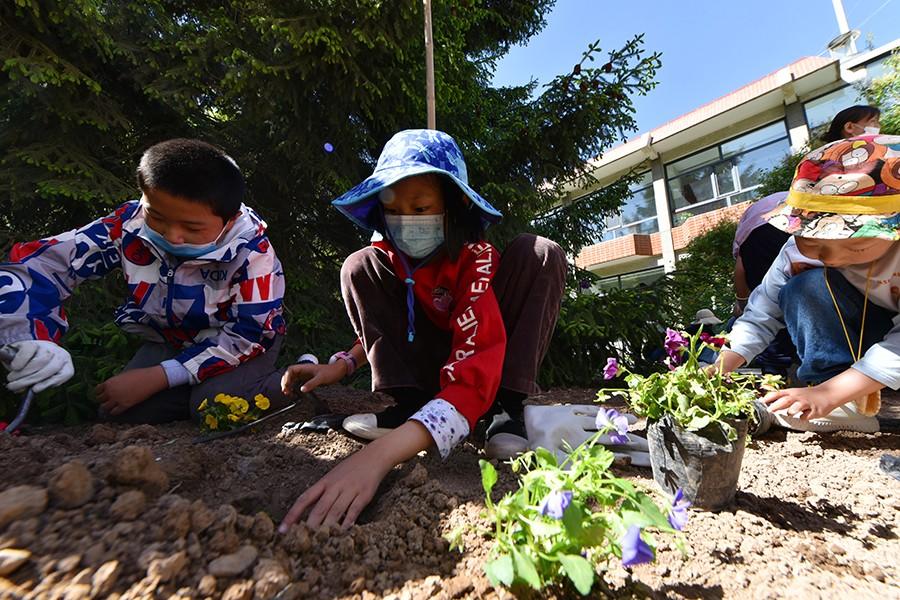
x=270, y=578
x=201, y=516
x=140, y=432
x=135, y=465
x=21, y=502
x=297, y=540
x=105, y=578
x=207, y=585
x=242, y=590
x=262, y=528
x=71, y=485
x=128, y=506
x=232, y=565
x=169, y=568
x=11, y=559
x=418, y=476
x=101, y=434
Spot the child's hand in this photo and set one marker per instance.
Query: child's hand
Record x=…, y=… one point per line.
x=312, y=375
x=728, y=361
x=803, y=403
x=342, y=493
x=129, y=388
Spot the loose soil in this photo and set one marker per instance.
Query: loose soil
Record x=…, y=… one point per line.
x=141, y=512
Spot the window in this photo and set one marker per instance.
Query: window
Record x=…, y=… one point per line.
x=820, y=111
x=725, y=174
x=637, y=215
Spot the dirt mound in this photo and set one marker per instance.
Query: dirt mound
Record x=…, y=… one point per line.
x=112, y=511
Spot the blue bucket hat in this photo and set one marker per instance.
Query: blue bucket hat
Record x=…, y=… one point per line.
x=411, y=152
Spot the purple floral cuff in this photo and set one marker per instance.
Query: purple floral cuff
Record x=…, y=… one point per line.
x=444, y=423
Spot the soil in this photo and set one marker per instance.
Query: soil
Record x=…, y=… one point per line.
x=142, y=512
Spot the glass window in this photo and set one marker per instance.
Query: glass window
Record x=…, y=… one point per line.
x=820, y=111
x=641, y=205
x=719, y=176
x=752, y=164
x=753, y=139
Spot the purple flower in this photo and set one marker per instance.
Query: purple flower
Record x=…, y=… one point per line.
x=674, y=342
x=328, y=147
x=611, y=369
x=678, y=515
x=556, y=503
x=635, y=551
x=609, y=418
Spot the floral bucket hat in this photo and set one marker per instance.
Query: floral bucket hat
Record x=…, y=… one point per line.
x=846, y=189
x=411, y=152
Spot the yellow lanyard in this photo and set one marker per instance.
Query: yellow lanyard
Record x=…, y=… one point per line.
x=862, y=327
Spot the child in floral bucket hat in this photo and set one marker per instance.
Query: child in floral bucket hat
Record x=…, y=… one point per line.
x=835, y=286
x=452, y=330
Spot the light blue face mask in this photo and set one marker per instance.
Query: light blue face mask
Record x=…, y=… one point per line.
x=416, y=236
x=180, y=250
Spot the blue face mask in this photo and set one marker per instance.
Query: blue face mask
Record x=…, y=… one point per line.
x=416, y=236
x=179, y=250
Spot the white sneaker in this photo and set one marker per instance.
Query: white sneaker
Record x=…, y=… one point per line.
x=843, y=418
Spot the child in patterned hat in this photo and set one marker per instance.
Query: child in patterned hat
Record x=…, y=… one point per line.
x=449, y=327
x=835, y=286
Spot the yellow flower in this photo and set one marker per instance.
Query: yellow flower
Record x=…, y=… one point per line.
x=212, y=422
x=202, y=406
x=262, y=403
x=234, y=418
x=221, y=399
x=240, y=405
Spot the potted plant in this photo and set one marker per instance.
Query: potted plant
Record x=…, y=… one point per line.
x=697, y=418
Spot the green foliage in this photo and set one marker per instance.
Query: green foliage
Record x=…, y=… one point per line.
x=696, y=399
x=884, y=93
x=89, y=84
x=592, y=327
x=779, y=177
x=704, y=275
x=537, y=545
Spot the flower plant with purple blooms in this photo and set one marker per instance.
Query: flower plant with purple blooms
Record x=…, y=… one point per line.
x=610, y=419
x=695, y=397
x=611, y=369
x=635, y=550
x=678, y=514
x=568, y=520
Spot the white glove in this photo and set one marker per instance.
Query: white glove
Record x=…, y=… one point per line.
x=38, y=364
x=559, y=428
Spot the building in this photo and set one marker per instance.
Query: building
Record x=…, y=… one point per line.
x=703, y=167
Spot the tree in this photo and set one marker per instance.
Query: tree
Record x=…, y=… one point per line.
x=88, y=84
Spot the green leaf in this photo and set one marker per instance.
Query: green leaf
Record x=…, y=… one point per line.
x=545, y=457
x=572, y=519
x=500, y=571
x=525, y=569
x=488, y=476
x=698, y=422
x=579, y=571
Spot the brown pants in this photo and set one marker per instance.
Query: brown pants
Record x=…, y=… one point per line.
x=528, y=285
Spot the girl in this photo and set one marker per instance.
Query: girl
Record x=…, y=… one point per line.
x=449, y=327
x=853, y=121
x=835, y=285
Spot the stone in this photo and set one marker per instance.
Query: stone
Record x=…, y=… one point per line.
x=263, y=528
x=140, y=432
x=201, y=516
x=297, y=539
x=294, y=591
x=135, y=466
x=101, y=434
x=69, y=563
x=11, y=559
x=105, y=578
x=242, y=590
x=71, y=485
x=270, y=578
x=177, y=521
x=77, y=591
x=232, y=565
x=417, y=477
x=168, y=568
x=21, y=502
x=129, y=505
x=207, y=585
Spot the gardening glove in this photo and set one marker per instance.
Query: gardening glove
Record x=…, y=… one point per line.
x=559, y=428
x=37, y=364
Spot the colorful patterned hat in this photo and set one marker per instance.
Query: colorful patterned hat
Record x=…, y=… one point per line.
x=846, y=189
x=408, y=153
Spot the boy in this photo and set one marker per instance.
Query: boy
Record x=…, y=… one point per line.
x=835, y=285
x=204, y=290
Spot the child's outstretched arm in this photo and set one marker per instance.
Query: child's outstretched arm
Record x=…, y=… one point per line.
x=307, y=377
x=340, y=496
x=819, y=400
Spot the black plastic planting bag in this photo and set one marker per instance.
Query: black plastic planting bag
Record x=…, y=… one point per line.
x=705, y=468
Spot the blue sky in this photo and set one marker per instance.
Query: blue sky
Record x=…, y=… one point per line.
x=709, y=48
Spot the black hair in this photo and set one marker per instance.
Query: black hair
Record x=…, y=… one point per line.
x=196, y=171
x=462, y=221
x=854, y=114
